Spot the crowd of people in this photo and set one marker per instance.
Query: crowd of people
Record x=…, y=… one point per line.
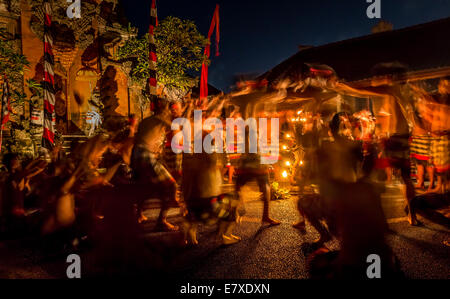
x=346, y=161
x=348, y=164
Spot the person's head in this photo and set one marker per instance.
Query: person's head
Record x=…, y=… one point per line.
x=162, y=106
x=176, y=109
x=11, y=162
x=162, y=111
x=340, y=125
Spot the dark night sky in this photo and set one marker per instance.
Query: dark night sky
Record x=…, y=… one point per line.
x=256, y=35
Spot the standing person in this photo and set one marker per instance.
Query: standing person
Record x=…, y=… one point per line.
x=173, y=160
x=338, y=163
x=351, y=207
x=440, y=130
x=397, y=106
x=422, y=138
x=420, y=153
x=396, y=145
x=309, y=140
x=250, y=168
x=204, y=198
x=148, y=170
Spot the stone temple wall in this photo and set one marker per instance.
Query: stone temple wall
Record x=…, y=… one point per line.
x=84, y=50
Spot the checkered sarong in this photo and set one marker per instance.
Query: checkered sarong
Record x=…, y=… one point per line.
x=147, y=167
x=420, y=147
x=440, y=153
x=209, y=210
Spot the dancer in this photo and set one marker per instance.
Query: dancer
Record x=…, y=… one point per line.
x=148, y=170
x=440, y=143
x=352, y=209
x=397, y=104
x=204, y=198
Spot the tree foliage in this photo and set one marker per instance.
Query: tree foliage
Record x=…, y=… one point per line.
x=179, y=50
x=12, y=64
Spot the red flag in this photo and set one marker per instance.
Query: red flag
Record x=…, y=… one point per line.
x=5, y=105
x=204, y=76
x=5, y=108
x=152, y=48
x=215, y=24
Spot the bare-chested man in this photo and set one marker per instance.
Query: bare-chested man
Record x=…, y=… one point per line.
x=148, y=171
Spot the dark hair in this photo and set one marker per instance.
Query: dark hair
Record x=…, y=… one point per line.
x=160, y=105
x=335, y=123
